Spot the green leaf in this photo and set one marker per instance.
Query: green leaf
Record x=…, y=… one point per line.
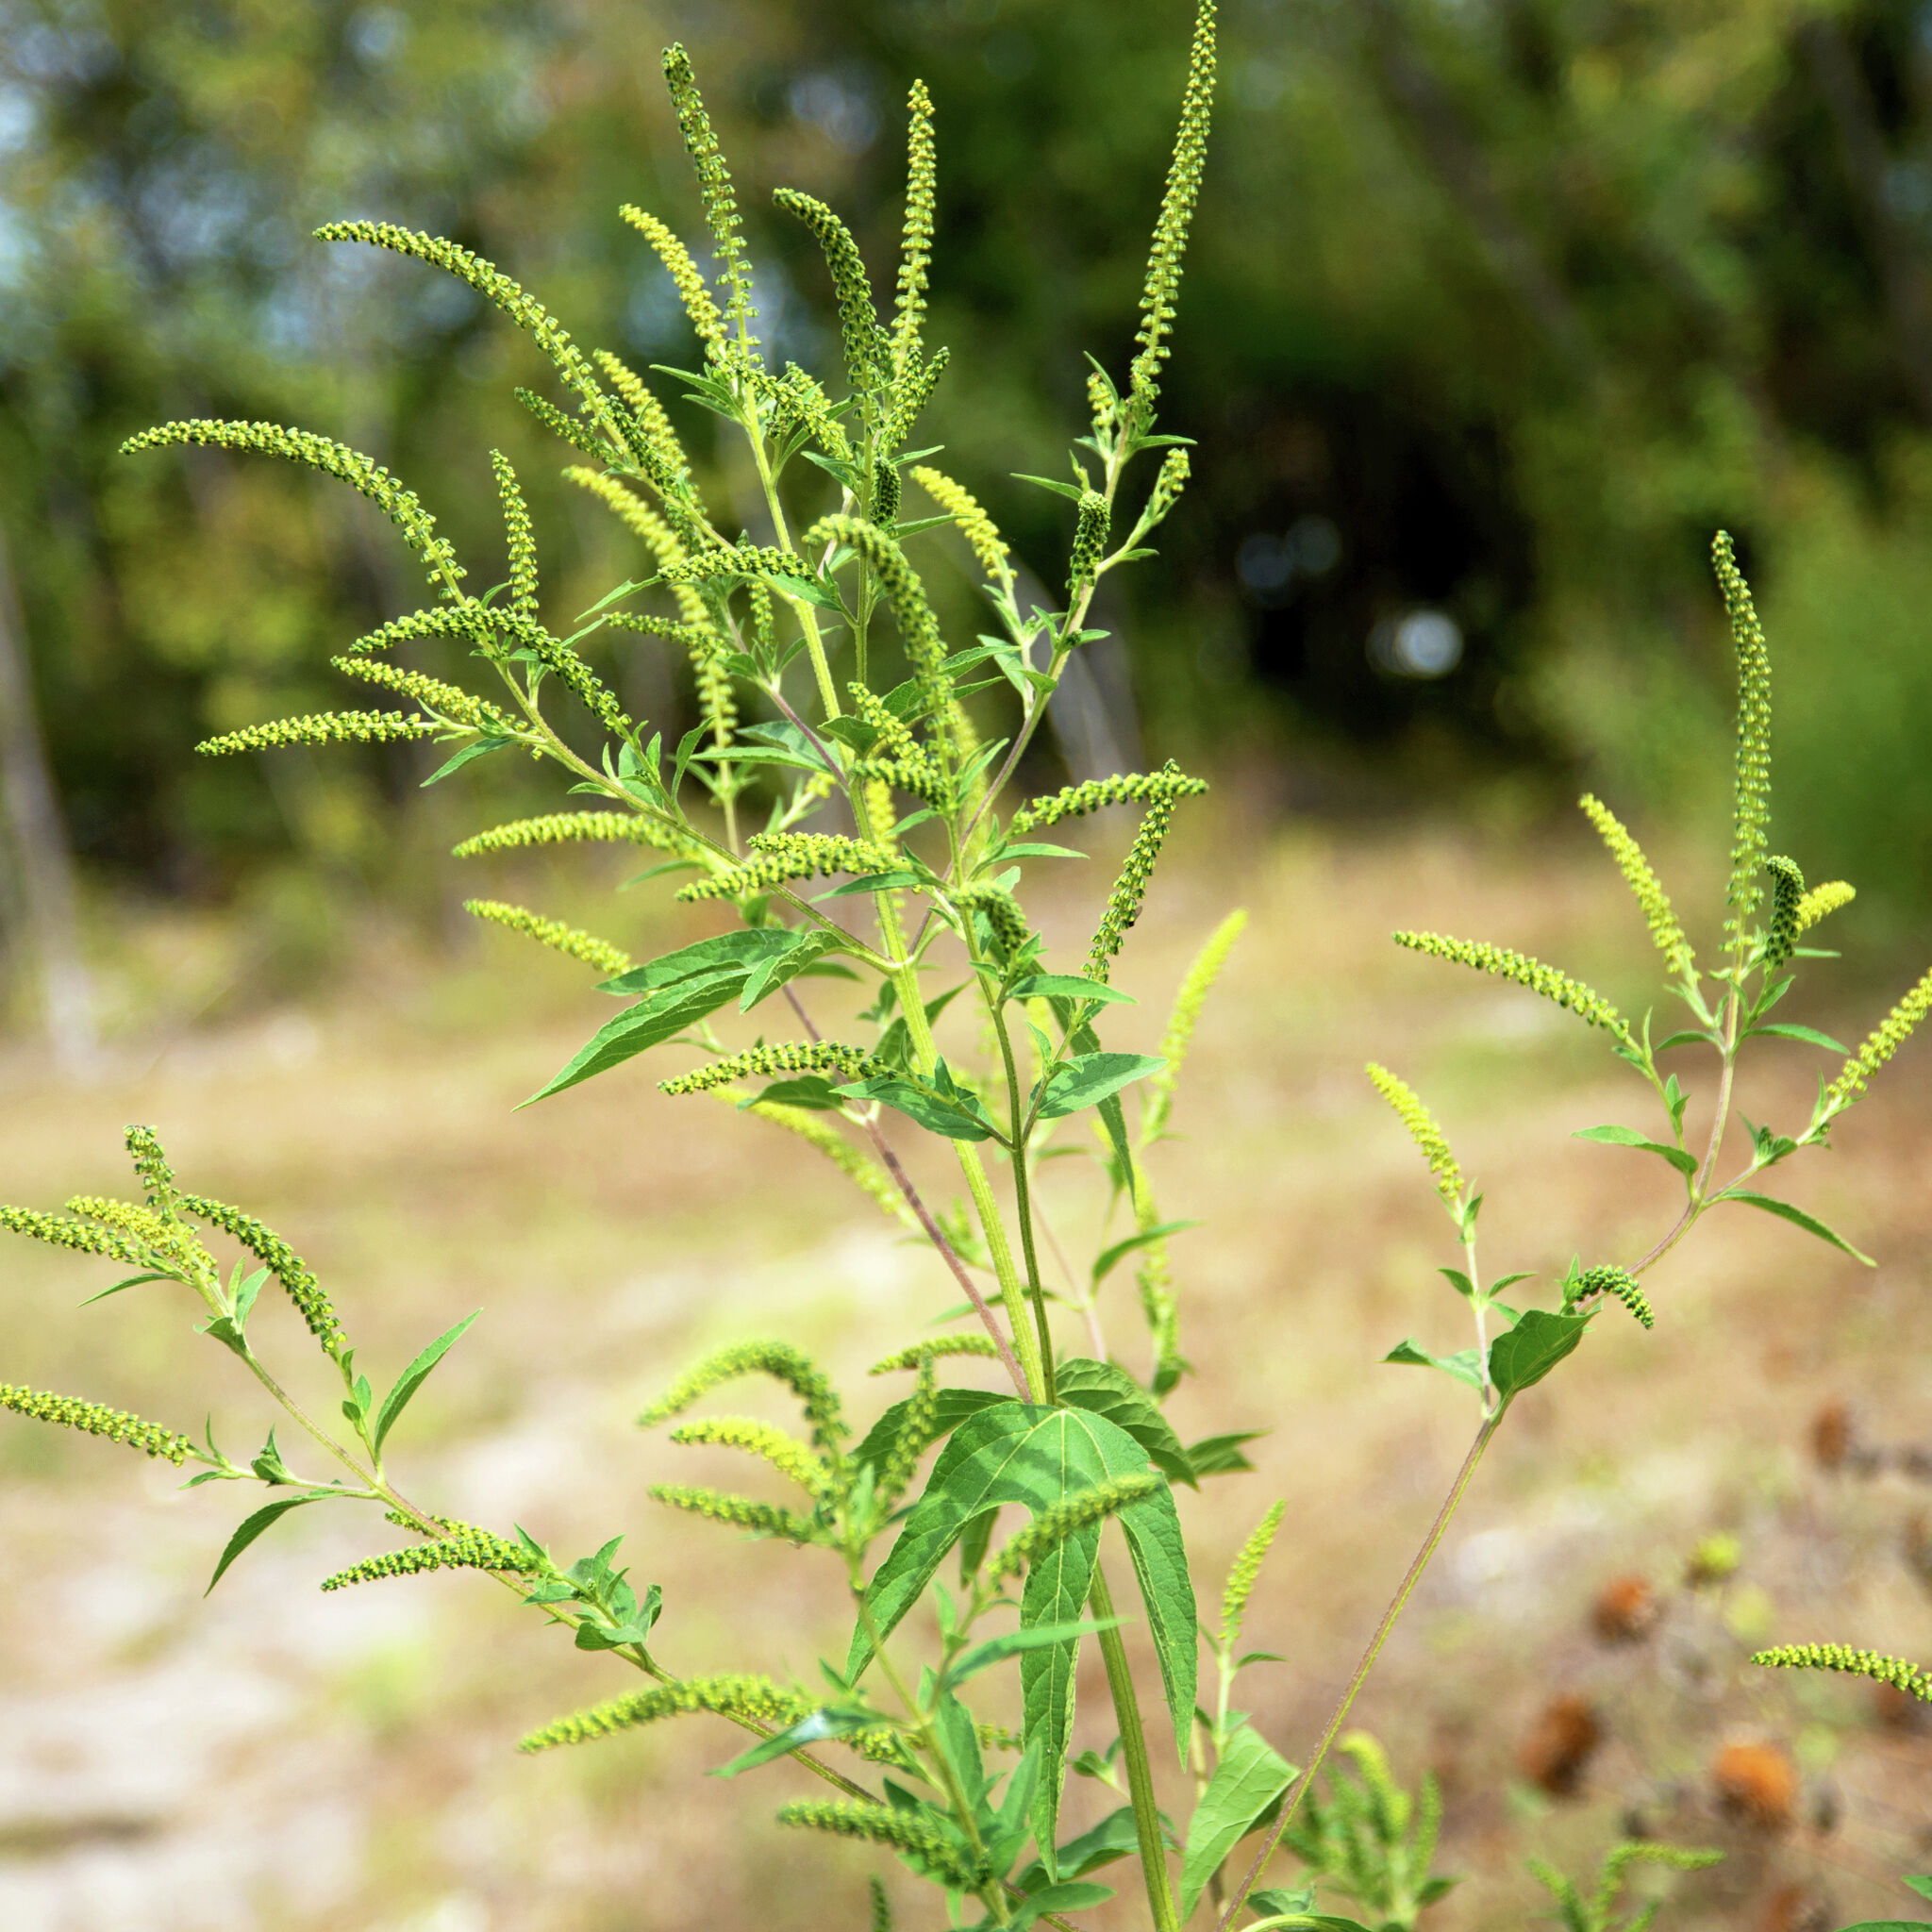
x=873, y=882
x=815, y=1727
x=951, y=1407
x=996, y=1650
x=1279, y=1899
x=1103, y=1390
x=1529, y=1351
x=1249, y=1778
x=463, y=757
x=412, y=1379
x=1111, y=1258
x=1809, y=1035
x=1463, y=1364
x=132, y=1281
x=1887, y=1925
x=1068, y=986
x=1221, y=1455
x=1092, y=1077
x=1038, y=849
x=1115, y=1837
x=1066, y=490
x=1684, y=1163
x=1797, y=1217
x=807, y=945
x=744, y=949
x=963, y=1119
x=653, y=1020
x=1684, y=1039
x=1057, y=1898
x=1020, y=1452
x=253, y=1526
x=1922, y=1886
x=812, y=1092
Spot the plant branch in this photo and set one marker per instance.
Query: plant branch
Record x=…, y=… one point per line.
x=1397, y=1604
x=1127, y=1705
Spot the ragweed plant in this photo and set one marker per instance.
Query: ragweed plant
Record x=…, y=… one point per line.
x=843, y=737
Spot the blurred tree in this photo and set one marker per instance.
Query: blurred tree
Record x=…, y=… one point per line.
x=1496, y=310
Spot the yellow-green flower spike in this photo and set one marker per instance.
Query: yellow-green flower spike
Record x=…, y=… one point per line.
x=608, y=959
x=522, y=537
x=1885, y=1040
x=777, y=857
x=1424, y=1131
x=782, y=1056
x=881, y=1906
x=714, y=191
x=659, y=453
x=691, y=290
x=491, y=283
x=298, y=1281
x=1895, y=1671
x=786, y=1453
x=1241, y=1579
x=467, y=621
x=321, y=727
x=1820, y=902
x=799, y=398
x=1666, y=933
x=863, y=1171
x=1163, y=286
x=1196, y=984
x=1130, y=889
x=1753, y=799
x=1090, y=540
x=1572, y=994
x=563, y=659
x=448, y=701
x=1619, y=1282
x=981, y=534
x=92, y=1418
x=868, y=349
x=732, y=1694
x=1001, y=911
x=1067, y=1517
x=913, y=392
x=364, y=474
x=575, y=829
x=150, y=1167
x=465, y=1547
x=921, y=780
x=915, y=250
x=896, y=578
x=894, y=742
x=569, y=429
x=1786, y=899
x=915, y=1833
x=779, y=1360
x=931, y=1350
x=742, y=1512
x=170, y=1241
x=915, y=1432
x=1168, y=485
x=1095, y=794
x=60, y=1232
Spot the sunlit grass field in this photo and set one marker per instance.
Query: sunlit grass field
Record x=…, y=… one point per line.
x=276, y=1758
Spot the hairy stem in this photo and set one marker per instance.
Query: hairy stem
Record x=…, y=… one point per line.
x=1404, y=1589
x=1119, y=1681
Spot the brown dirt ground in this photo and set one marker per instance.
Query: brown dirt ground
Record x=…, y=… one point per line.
x=271, y=1757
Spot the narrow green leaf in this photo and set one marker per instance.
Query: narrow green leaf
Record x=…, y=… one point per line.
x=1065, y=1897
x=1529, y=1351
x=1809, y=1035
x=1797, y=1217
x=653, y=1020
x=1249, y=1778
x=463, y=757
x=951, y=1407
x=1463, y=1364
x=1067, y=986
x=963, y=1119
x=1922, y=1886
x=412, y=1379
x=996, y=1650
x=744, y=949
x=1111, y=1258
x=1092, y=1077
x=1684, y=1163
x=253, y=1526
x=1221, y=1455
x=815, y=1727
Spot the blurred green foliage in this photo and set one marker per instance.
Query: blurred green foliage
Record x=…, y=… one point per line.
x=1496, y=309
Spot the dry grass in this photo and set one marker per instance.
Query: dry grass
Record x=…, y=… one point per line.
x=275, y=1758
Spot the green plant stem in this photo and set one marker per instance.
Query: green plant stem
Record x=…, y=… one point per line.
x=1022, y=1200
x=1404, y=1589
x=1696, y=1204
x=1119, y=1681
